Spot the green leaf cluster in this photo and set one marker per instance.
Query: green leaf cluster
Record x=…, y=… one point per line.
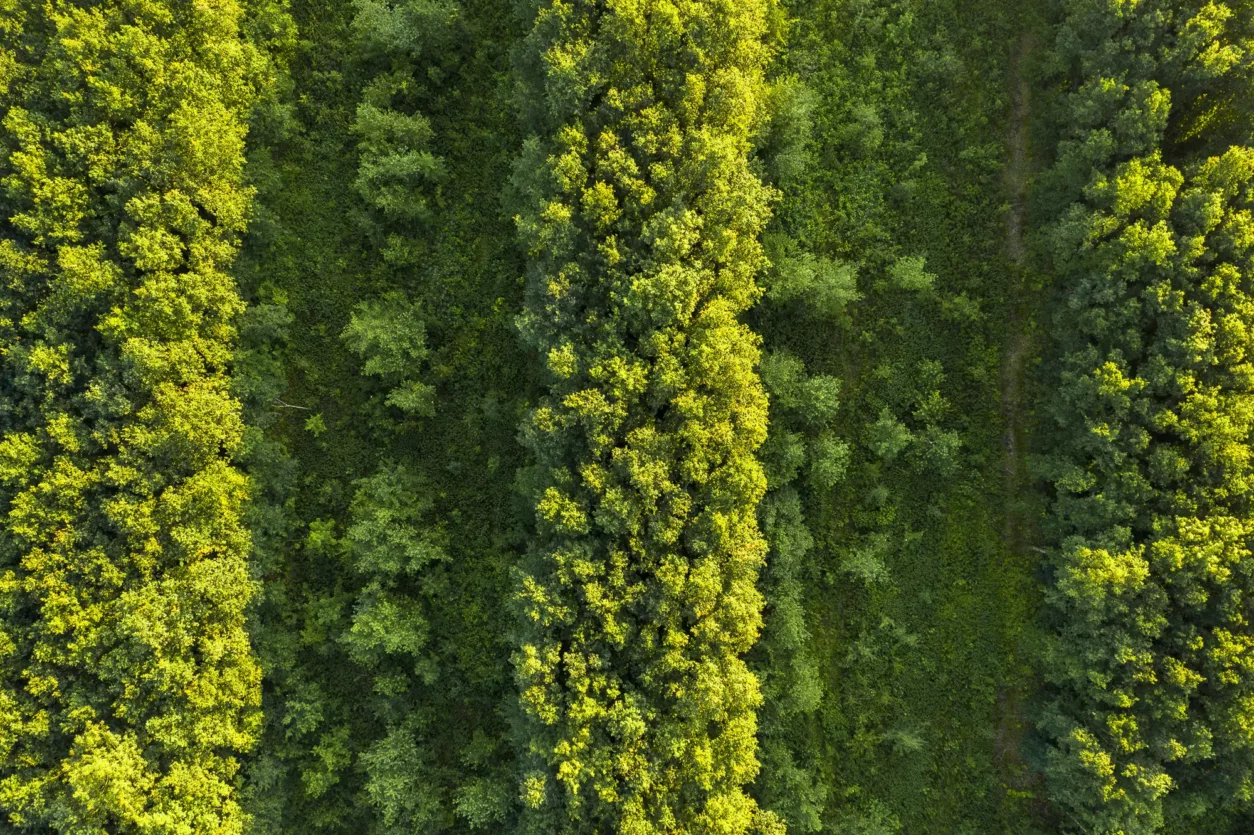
x=641, y=216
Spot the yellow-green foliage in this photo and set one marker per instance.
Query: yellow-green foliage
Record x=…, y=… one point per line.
x=1152, y=662
x=128, y=688
x=641, y=219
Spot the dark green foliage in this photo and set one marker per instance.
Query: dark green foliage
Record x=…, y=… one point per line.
x=1152, y=661
x=383, y=627
x=128, y=687
x=899, y=605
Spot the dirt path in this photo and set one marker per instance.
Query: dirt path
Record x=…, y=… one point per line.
x=1012, y=722
x=1017, y=339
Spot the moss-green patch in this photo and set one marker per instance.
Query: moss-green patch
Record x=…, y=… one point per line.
x=928, y=663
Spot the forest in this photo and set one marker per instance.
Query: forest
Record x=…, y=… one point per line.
x=633, y=417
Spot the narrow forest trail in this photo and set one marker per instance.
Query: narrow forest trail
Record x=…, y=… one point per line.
x=1018, y=338
x=1017, y=351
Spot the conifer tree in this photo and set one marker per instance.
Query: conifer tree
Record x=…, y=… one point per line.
x=641, y=218
x=128, y=687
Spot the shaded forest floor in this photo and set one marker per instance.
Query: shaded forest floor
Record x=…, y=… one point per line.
x=930, y=669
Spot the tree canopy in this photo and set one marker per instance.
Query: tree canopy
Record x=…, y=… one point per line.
x=128, y=686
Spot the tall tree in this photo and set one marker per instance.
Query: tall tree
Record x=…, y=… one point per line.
x=128, y=688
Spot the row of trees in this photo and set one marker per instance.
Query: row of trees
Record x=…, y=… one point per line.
x=641, y=218
x=128, y=686
x=1150, y=459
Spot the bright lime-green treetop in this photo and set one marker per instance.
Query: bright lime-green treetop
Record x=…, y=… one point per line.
x=128, y=688
x=641, y=216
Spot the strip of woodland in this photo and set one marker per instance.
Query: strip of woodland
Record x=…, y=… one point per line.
x=638, y=594
x=129, y=690
x=1149, y=462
